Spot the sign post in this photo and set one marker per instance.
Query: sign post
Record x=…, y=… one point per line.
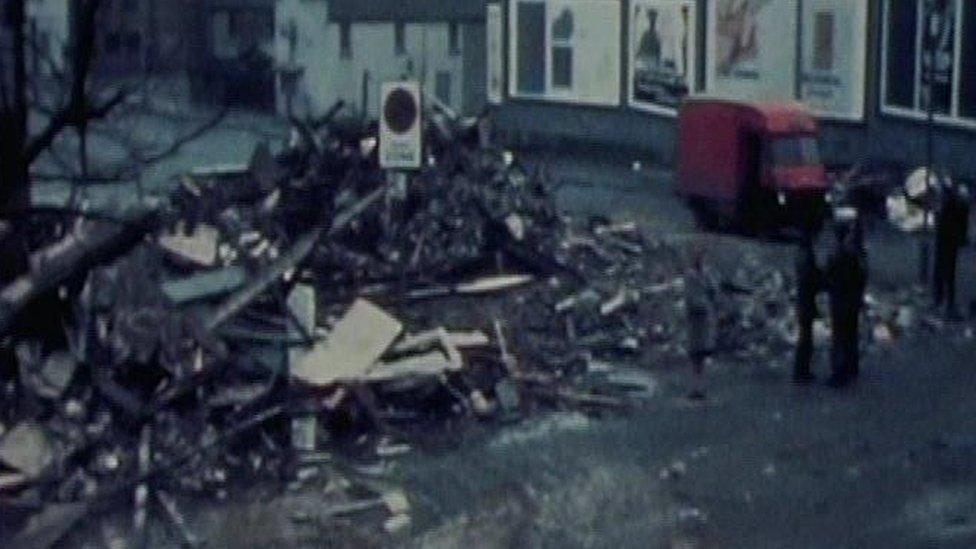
x=401, y=123
x=401, y=142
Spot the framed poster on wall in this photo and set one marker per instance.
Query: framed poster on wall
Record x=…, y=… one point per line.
x=752, y=49
x=662, y=53
x=834, y=56
x=565, y=50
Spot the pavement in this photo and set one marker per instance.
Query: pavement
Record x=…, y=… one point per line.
x=763, y=463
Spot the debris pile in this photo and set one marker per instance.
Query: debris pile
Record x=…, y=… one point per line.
x=263, y=316
x=276, y=316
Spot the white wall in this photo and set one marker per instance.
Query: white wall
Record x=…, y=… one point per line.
x=329, y=76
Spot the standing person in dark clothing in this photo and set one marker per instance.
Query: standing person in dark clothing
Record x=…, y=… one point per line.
x=808, y=285
x=951, y=233
x=700, y=289
x=847, y=281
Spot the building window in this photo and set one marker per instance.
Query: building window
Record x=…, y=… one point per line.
x=345, y=40
x=442, y=87
x=454, y=38
x=399, y=38
x=562, y=50
x=531, y=39
x=929, y=58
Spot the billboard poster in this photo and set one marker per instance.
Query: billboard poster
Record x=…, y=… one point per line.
x=662, y=53
x=752, y=49
x=940, y=31
x=834, y=55
x=566, y=50
x=493, y=29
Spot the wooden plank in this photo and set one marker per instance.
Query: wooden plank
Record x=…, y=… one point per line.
x=354, y=345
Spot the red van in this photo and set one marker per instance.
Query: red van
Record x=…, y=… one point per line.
x=750, y=165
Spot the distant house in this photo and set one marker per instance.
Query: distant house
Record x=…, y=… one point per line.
x=143, y=36
x=327, y=50
x=232, y=61
x=135, y=37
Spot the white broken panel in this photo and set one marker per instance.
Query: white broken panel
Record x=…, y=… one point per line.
x=27, y=448
x=301, y=302
x=199, y=248
x=490, y=284
x=57, y=371
x=356, y=343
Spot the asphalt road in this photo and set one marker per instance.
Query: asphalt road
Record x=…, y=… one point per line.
x=887, y=463
x=763, y=464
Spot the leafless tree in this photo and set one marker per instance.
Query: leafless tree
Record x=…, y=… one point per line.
x=37, y=118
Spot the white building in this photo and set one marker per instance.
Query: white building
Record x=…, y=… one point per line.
x=346, y=49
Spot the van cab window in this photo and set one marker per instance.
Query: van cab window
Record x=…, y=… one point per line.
x=794, y=151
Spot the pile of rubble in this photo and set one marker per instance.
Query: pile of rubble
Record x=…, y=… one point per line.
x=257, y=319
x=309, y=303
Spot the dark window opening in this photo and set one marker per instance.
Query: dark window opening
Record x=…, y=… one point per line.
x=531, y=52
x=562, y=67
x=453, y=38
x=442, y=87
x=345, y=40
x=562, y=50
x=399, y=38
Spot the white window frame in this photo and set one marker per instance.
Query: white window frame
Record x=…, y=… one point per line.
x=916, y=112
x=694, y=89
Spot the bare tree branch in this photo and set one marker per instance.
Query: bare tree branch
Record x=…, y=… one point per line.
x=71, y=115
x=76, y=111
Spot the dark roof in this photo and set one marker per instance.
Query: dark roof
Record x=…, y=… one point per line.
x=407, y=10
x=234, y=4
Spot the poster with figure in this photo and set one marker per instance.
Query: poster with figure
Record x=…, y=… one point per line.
x=833, y=59
x=493, y=29
x=938, y=54
x=662, y=53
x=565, y=50
x=752, y=49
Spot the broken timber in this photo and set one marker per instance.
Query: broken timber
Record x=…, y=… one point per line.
x=92, y=243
